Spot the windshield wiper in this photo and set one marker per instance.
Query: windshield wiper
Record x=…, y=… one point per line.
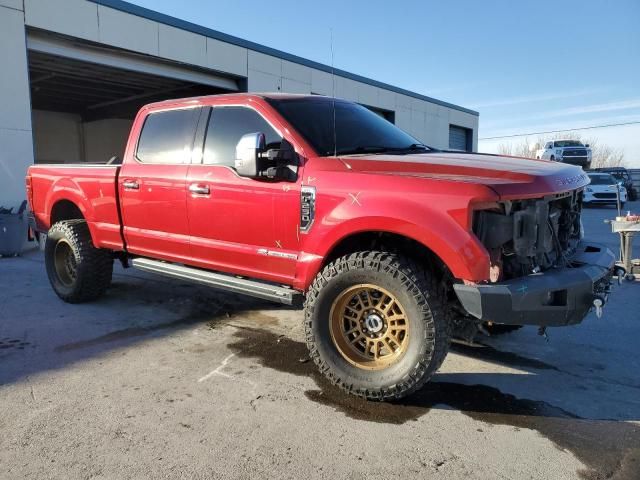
x=418, y=146
x=381, y=149
x=414, y=147
x=364, y=149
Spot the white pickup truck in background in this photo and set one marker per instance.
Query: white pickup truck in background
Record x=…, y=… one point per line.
x=566, y=151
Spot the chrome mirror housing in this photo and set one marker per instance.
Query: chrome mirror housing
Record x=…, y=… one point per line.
x=248, y=150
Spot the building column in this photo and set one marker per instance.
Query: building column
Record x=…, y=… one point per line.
x=16, y=139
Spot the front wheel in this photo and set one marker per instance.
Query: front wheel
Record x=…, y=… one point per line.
x=376, y=324
x=77, y=271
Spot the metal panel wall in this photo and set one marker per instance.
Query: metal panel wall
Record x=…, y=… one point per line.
x=16, y=143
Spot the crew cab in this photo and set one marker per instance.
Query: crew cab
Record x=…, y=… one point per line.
x=573, y=152
x=392, y=244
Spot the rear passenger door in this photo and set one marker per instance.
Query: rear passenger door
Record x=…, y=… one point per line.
x=241, y=225
x=152, y=186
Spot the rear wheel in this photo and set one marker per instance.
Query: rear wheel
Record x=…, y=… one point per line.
x=376, y=325
x=77, y=271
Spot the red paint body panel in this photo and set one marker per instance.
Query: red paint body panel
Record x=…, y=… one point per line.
x=91, y=188
x=426, y=197
x=154, y=216
x=237, y=219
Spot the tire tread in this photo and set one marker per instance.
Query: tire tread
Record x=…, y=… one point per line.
x=420, y=284
x=95, y=265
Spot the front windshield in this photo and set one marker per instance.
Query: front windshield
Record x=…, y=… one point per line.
x=358, y=129
x=568, y=143
x=602, y=179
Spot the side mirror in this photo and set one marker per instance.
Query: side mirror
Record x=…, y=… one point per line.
x=587, y=145
x=248, y=152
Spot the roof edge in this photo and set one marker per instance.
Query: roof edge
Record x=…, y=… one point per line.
x=149, y=14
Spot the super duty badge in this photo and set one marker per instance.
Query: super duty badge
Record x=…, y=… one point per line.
x=307, y=207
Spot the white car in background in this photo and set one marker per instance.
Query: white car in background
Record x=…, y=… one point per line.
x=566, y=151
x=603, y=189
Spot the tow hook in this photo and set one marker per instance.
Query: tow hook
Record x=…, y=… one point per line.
x=598, y=304
x=620, y=273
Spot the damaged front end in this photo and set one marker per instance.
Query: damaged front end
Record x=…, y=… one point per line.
x=542, y=271
x=530, y=236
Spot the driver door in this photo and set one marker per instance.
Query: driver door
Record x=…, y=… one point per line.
x=237, y=224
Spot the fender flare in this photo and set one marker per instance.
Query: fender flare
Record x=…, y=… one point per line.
x=459, y=250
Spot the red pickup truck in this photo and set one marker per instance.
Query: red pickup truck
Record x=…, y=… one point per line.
x=395, y=245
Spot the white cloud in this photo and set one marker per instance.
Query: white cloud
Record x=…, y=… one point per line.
x=509, y=127
x=524, y=123
x=597, y=108
x=533, y=98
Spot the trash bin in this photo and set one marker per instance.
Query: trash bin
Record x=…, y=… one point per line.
x=14, y=228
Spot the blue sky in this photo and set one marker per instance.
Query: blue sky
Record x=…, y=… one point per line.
x=526, y=66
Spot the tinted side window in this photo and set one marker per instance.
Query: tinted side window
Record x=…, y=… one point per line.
x=226, y=126
x=167, y=137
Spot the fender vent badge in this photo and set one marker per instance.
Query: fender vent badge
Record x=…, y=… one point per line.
x=307, y=207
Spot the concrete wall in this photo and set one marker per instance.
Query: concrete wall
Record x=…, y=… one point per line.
x=63, y=137
x=105, y=138
x=90, y=21
x=16, y=147
x=57, y=137
x=429, y=122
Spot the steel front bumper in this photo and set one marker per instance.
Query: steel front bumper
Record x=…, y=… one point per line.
x=555, y=297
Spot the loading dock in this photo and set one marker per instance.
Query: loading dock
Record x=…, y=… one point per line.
x=84, y=98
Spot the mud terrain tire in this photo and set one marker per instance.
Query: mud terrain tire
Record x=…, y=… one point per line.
x=350, y=283
x=78, y=271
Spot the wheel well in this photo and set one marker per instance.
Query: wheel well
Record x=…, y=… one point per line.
x=390, y=242
x=65, y=210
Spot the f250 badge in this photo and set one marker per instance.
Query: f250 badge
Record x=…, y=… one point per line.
x=307, y=207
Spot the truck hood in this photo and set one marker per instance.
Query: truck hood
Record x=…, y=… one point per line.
x=509, y=177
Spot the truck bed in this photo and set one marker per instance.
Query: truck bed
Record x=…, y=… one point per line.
x=93, y=187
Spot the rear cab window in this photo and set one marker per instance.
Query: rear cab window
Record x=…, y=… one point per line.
x=167, y=136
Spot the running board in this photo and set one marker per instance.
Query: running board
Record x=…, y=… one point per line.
x=252, y=288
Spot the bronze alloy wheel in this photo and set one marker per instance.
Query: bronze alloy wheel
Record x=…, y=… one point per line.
x=65, y=263
x=369, y=327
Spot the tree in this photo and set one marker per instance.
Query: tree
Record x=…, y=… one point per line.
x=601, y=155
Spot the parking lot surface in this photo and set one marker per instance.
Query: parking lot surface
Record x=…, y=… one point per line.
x=161, y=379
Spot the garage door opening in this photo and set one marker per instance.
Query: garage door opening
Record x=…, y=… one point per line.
x=82, y=111
x=460, y=138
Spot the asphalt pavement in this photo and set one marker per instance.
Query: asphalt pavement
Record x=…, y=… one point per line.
x=163, y=379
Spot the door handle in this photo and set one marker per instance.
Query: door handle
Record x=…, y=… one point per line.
x=199, y=189
x=131, y=184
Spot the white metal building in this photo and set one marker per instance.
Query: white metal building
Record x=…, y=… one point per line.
x=74, y=73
